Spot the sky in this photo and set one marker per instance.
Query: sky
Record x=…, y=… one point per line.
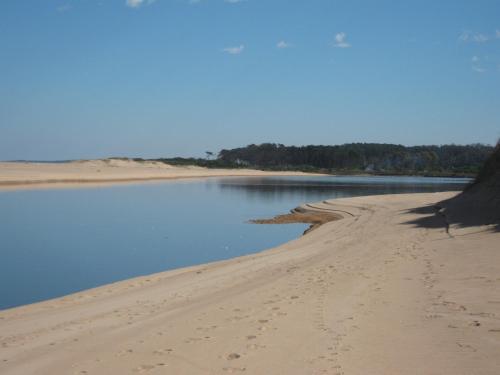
x=161, y=78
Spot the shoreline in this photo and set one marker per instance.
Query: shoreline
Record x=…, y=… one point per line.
x=95, y=173
x=375, y=292
x=81, y=183
x=301, y=214
x=105, y=172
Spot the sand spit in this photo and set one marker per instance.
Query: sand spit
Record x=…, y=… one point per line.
x=380, y=291
x=302, y=215
x=22, y=175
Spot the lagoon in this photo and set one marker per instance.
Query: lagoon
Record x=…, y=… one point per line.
x=60, y=241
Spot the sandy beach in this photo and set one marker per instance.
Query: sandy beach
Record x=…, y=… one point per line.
x=384, y=290
x=23, y=175
x=201, y=187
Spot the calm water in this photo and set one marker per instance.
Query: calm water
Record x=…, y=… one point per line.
x=55, y=242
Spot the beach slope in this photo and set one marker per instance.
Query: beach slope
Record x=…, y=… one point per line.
x=391, y=288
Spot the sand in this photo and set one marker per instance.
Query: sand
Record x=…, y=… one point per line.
x=384, y=290
x=21, y=175
x=315, y=218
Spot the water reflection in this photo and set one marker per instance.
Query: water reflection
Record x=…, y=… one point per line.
x=305, y=189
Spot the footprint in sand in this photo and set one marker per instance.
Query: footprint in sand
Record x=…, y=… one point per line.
x=163, y=351
x=234, y=369
x=255, y=346
x=466, y=347
x=121, y=353
x=144, y=368
x=233, y=356
x=190, y=340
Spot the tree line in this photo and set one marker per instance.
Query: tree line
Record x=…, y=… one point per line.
x=362, y=157
x=351, y=158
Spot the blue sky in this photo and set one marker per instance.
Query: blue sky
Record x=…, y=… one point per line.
x=96, y=78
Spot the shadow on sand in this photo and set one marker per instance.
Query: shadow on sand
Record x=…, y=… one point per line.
x=477, y=205
x=464, y=210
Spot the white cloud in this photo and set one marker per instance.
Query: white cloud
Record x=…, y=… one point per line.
x=234, y=1
x=282, y=44
x=497, y=34
x=138, y=3
x=340, y=40
x=134, y=3
x=234, y=50
x=476, y=64
x=472, y=36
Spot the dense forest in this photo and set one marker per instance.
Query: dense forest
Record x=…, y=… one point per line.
x=376, y=158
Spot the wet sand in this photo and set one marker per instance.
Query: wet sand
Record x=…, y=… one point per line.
x=302, y=215
x=383, y=290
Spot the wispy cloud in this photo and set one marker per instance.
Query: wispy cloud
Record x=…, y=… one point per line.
x=282, y=44
x=138, y=3
x=497, y=34
x=474, y=37
x=234, y=1
x=234, y=50
x=476, y=65
x=340, y=40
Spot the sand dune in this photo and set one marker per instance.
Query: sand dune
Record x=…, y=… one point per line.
x=479, y=204
x=16, y=175
x=377, y=292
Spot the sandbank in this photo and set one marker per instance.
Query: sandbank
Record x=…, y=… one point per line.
x=28, y=175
